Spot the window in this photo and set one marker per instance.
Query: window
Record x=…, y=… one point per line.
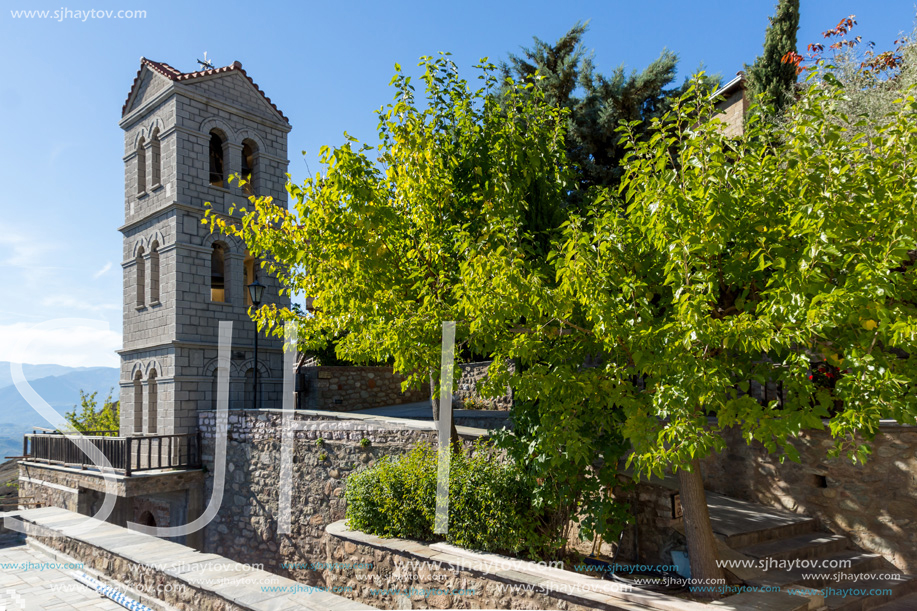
x=154, y=272
x=248, y=167
x=217, y=275
x=140, y=264
x=216, y=159
x=141, y=167
x=152, y=396
x=138, y=403
x=249, y=277
x=156, y=166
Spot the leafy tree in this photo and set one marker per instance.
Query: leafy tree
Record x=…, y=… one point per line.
x=744, y=260
x=92, y=418
x=596, y=103
x=437, y=224
x=770, y=76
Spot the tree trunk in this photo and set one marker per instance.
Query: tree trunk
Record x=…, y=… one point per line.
x=699, y=531
x=434, y=400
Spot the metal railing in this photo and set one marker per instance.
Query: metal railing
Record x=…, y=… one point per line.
x=126, y=454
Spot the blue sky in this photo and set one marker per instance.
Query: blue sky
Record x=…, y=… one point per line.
x=326, y=65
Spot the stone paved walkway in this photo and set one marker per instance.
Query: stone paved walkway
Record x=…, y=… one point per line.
x=30, y=580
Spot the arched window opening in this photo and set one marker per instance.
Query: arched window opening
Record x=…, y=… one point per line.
x=248, y=167
x=216, y=159
x=147, y=519
x=140, y=264
x=217, y=274
x=156, y=165
x=249, y=277
x=141, y=166
x=153, y=396
x=138, y=404
x=154, y=273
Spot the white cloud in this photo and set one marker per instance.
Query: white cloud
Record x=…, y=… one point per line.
x=22, y=251
x=102, y=271
x=73, y=342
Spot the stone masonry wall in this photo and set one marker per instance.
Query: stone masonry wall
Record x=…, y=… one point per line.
x=467, y=395
x=246, y=528
x=355, y=388
x=875, y=504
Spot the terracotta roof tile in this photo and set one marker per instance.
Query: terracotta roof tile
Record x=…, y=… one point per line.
x=173, y=74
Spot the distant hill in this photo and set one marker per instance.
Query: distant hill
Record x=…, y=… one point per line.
x=60, y=388
x=35, y=372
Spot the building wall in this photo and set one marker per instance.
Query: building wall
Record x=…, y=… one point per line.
x=734, y=108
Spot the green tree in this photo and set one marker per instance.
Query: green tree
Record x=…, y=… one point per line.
x=91, y=417
x=596, y=103
x=750, y=259
x=437, y=224
x=770, y=76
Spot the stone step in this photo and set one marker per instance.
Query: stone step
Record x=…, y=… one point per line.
x=858, y=596
x=741, y=523
x=801, y=547
x=905, y=603
x=860, y=562
x=771, y=533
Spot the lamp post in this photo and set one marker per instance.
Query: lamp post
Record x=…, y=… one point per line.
x=255, y=291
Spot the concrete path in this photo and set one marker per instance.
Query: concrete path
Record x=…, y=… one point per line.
x=32, y=580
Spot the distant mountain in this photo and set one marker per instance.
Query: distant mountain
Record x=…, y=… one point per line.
x=60, y=389
x=35, y=372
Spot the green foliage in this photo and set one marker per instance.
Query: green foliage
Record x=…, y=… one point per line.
x=595, y=103
x=323, y=457
x=320, y=441
x=491, y=502
x=436, y=224
x=747, y=259
x=365, y=443
x=92, y=418
x=770, y=77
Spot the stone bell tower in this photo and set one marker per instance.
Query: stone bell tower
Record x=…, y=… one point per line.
x=185, y=133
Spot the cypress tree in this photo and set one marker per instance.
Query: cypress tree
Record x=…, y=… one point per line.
x=769, y=76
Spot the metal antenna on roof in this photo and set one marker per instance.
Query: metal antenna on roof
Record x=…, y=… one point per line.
x=206, y=64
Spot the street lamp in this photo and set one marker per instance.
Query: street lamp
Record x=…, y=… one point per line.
x=255, y=291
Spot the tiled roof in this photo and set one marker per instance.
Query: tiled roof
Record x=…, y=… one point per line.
x=173, y=74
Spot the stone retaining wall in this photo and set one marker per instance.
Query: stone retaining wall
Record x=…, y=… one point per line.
x=246, y=528
x=874, y=504
x=354, y=388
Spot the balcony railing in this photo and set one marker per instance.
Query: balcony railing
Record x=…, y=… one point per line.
x=126, y=454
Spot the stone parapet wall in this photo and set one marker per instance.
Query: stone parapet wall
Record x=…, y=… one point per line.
x=354, y=388
x=404, y=574
x=875, y=504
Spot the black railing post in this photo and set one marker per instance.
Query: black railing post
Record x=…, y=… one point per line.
x=25, y=445
x=127, y=457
